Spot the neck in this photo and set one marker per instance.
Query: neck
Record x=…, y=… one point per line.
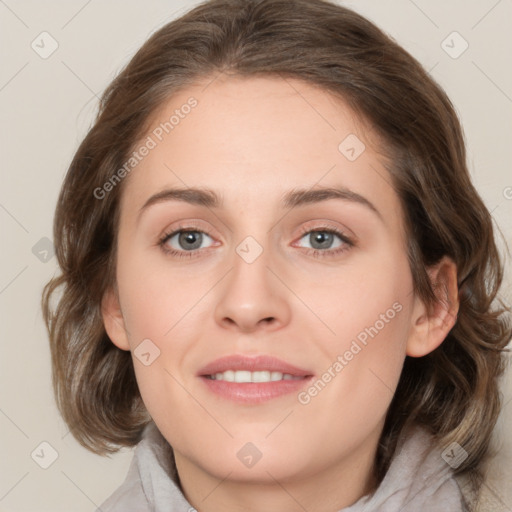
x=337, y=486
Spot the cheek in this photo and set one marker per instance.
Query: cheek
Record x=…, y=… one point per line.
x=350, y=398
x=163, y=312
x=360, y=300
x=367, y=310
x=154, y=301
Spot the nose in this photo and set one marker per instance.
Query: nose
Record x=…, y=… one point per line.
x=252, y=298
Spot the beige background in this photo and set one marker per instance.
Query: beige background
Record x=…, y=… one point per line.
x=47, y=106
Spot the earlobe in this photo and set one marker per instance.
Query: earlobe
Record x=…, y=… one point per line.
x=431, y=325
x=113, y=320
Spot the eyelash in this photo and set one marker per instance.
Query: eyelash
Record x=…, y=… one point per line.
x=347, y=242
x=328, y=253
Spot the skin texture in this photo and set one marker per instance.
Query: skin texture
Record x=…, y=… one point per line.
x=252, y=141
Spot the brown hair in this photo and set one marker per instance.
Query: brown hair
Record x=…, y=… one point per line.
x=453, y=391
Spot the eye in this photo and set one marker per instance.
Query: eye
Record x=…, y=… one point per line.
x=322, y=240
x=325, y=242
x=185, y=240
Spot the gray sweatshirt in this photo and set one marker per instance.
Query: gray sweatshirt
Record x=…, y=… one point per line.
x=418, y=479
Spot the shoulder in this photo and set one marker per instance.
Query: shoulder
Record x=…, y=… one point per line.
x=129, y=497
x=151, y=483
x=479, y=498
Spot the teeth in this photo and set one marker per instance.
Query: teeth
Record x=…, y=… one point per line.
x=246, y=376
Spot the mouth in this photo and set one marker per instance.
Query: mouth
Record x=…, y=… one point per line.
x=253, y=380
x=247, y=376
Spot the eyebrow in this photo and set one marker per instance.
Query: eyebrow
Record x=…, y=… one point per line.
x=293, y=199
x=302, y=197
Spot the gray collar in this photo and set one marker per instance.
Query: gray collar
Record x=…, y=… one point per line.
x=417, y=479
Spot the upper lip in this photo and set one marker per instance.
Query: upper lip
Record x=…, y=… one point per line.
x=253, y=364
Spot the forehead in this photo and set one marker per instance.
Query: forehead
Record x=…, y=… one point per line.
x=254, y=139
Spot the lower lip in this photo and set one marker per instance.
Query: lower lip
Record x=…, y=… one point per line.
x=254, y=392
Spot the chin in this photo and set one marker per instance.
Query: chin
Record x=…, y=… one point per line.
x=258, y=461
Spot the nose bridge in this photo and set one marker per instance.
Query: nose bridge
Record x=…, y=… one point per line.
x=252, y=296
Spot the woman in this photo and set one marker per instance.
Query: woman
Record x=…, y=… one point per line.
x=277, y=276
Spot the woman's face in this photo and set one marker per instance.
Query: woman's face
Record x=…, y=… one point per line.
x=263, y=228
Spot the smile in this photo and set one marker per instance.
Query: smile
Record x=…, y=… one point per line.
x=247, y=376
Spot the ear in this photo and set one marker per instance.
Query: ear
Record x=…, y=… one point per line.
x=431, y=325
x=113, y=319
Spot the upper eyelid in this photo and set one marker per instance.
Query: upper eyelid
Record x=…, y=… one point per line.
x=189, y=225
x=330, y=226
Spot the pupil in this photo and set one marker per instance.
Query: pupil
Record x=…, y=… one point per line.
x=321, y=240
x=190, y=240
